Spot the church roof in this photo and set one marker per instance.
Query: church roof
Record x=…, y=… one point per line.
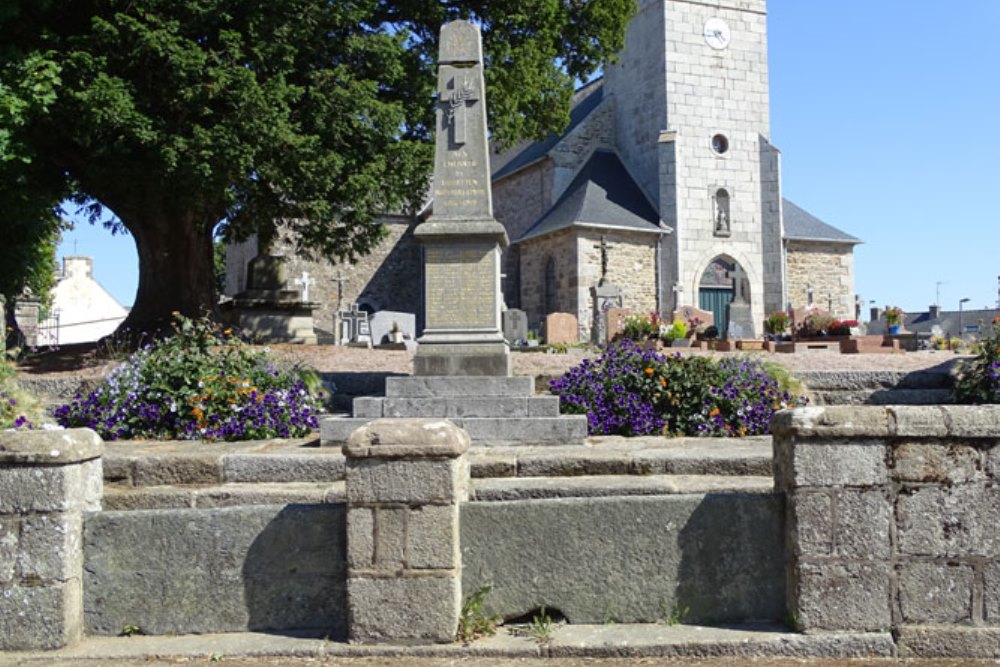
x=588, y=97
x=602, y=194
x=800, y=225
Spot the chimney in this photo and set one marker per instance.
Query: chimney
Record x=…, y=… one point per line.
x=934, y=312
x=876, y=314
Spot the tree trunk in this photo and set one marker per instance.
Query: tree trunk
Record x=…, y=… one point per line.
x=176, y=272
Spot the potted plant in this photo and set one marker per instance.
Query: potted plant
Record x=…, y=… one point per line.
x=639, y=328
x=676, y=334
x=777, y=324
x=893, y=319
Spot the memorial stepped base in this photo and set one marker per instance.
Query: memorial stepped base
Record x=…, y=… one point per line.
x=495, y=411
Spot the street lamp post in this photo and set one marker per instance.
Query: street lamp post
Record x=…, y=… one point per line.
x=961, y=328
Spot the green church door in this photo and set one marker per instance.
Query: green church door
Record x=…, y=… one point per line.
x=716, y=300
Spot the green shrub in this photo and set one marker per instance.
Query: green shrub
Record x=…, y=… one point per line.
x=978, y=379
x=200, y=383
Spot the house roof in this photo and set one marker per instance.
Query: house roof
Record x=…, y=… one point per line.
x=508, y=162
x=800, y=225
x=947, y=320
x=602, y=194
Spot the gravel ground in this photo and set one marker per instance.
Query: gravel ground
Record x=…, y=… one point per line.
x=83, y=362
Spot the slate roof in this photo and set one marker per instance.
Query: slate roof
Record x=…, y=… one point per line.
x=800, y=225
x=948, y=321
x=601, y=194
x=526, y=154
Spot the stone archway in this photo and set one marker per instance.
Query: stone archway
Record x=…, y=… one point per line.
x=722, y=283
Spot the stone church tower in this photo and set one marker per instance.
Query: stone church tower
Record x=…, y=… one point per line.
x=692, y=123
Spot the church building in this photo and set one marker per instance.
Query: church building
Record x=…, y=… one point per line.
x=665, y=186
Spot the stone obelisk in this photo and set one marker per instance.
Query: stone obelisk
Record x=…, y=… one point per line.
x=461, y=239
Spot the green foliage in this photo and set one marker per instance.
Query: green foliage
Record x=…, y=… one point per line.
x=673, y=614
x=541, y=626
x=168, y=118
x=198, y=383
x=777, y=322
x=130, y=630
x=473, y=621
x=675, y=331
x=18, y=408
x=641, y=327
x=978, y=379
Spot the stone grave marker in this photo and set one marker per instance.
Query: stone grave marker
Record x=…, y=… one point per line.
x=462, y=241
x=615, y=318
x=354, y=325
x=740, y=317
x=561, y=328
x=604, y=297
x=515, y=325
x=382, y=325
x=688, y=313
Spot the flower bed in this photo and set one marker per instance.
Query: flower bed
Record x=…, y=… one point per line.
x=200, y=383
x=629, y=391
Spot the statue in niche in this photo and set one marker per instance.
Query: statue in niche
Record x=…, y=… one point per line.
x=722, y=219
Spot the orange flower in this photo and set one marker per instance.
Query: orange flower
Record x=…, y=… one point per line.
x=663, y=382
x=649, y=370
x=227, y=332
x=714, y=412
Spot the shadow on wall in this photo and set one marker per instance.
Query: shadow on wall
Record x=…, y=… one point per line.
x=295, y=573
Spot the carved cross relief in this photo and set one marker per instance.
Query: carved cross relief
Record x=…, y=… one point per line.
x=456, y=100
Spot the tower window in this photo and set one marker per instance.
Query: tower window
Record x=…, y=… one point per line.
x=720, y=144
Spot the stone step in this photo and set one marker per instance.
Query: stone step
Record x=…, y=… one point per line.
x=729, y=645
x=882, y=397
x=457, y=407
x=221, y=495
x=523, y=488
x=937, y=378
x=148, y=464
x=484, y=431
x=464, y=387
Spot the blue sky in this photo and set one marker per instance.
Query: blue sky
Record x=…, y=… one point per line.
x=886, y=113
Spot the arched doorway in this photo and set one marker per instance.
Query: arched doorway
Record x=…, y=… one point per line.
x=717, y=289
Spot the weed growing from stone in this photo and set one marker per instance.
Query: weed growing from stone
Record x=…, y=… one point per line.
x=130, y=630
x=473, y=621
x=541, y=626
x=628, y=391
x=978, y=379
x=199, y=383
x=18, y=408
x=673, y=615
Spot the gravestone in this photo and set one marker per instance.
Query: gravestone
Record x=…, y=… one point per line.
x=689, y=313
x=515, y=325
x=616, y=322
x=462, y=241
x=740, y=317
x=354, y=326
x=382, y=325
x=561, y=328
x=604, y=297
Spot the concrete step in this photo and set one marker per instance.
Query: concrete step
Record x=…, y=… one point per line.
x=882, y=397
x=221, y=495
x=524, y=488
x=148, y=464
x=926, y=387
x=457, y=407
x=464, y=387
x=734, y=644
x=484, y=431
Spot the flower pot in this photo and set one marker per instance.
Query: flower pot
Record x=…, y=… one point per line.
x=893, y=328
x=680, y=342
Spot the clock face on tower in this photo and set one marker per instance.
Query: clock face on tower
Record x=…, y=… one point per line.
x=717, y=33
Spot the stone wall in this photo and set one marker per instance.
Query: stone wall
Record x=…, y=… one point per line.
x=388, y=278
x=829, y=269
x=891, y=523
x=519, y=201
x=631, y=267
x=534, y=255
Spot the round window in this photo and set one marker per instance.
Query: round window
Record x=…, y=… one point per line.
x=720, y=144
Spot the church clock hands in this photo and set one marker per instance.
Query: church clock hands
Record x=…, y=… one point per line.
x=717, y=33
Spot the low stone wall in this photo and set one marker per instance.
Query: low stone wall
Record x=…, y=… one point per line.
x=892, y=523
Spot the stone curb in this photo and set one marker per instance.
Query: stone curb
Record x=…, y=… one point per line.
x=583, y=641
x=522, y=488
x=270, y=462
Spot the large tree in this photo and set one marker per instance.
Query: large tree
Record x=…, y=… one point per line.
x=169, y=117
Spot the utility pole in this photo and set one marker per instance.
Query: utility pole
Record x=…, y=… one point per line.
x=937, y=292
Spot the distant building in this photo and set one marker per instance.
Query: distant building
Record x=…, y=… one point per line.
x=82, y=310
x=950, y=323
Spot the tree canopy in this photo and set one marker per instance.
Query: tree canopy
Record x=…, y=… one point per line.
x=169, y=117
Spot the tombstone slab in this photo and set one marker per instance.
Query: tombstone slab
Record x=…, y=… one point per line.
x=561, y=328
x=515, y=325
x=604, y=297
x=462, y=241
x=616, y=322
x=381, y=324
